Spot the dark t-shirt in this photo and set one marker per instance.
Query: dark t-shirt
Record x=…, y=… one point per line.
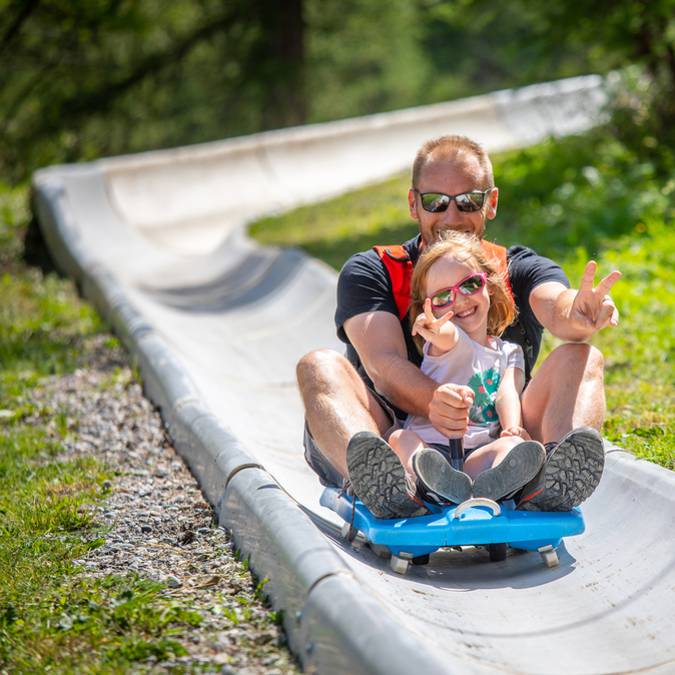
x=364, y=286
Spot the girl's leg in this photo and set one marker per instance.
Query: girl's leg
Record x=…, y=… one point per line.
x=490, y=455
x=430, y=475
x=404, y=444
x=510, y=464
x=429, y=470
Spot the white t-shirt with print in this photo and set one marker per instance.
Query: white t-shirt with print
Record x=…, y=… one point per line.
x=478, y=367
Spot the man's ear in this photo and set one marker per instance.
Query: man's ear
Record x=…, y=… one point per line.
x=412, y=204
x=491, y=205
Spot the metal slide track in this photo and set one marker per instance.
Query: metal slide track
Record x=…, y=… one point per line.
x=217, y=324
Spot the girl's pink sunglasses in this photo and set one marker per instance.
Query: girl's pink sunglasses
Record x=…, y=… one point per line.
x=467, y=286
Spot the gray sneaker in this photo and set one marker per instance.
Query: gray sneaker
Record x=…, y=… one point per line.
x=520, y=466
x=378, y=478
x=570, y=474
x=439, y=478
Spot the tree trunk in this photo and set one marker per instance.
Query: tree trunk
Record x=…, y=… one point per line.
x=281, y=59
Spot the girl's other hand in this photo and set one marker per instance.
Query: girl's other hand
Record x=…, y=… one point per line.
x=516, y=431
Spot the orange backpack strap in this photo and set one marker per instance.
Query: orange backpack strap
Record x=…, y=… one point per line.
x=399, y=268
x=499, y=254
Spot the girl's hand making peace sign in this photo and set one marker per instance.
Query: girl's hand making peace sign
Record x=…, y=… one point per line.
x=440, y=332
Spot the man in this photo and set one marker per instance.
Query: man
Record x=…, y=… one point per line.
x=352, y=403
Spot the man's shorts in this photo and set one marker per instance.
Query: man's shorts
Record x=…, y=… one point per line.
x=319, y=463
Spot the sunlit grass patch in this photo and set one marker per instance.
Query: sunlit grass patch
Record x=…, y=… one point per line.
x=640, y=352
x=43, y=323
x=647, y=431
x=46, y=522
x=105, y=624
x=42, y=326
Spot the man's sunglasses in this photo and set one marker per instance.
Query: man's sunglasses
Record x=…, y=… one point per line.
x=467, y=202
x=467, y=286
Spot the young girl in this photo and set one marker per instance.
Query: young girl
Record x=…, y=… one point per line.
x=460, y=303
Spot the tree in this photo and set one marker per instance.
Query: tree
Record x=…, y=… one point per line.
x=81, y=78
x=534, y=41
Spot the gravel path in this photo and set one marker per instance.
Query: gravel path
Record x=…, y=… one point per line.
x=160, y=525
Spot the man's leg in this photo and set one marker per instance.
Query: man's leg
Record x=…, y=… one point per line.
x=347, y=423
x=337, y=404
x=567, y=392
x=564, y=407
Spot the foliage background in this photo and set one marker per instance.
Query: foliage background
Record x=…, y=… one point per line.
x=85, y=78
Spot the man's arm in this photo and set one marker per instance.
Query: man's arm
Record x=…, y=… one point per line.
x=572, y=314
x=379, y=341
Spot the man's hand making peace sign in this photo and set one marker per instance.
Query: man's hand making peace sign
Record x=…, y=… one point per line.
x=592, y=308
x=577, y=314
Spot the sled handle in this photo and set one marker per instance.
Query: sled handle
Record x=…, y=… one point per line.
x=477, y=501
x=456, y=449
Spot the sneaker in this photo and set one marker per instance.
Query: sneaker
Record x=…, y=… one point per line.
x=438, y=477
x=570, y=474
x=378, y=478
x=520, y=466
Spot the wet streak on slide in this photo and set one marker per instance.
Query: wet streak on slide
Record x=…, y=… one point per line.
x=217, y=325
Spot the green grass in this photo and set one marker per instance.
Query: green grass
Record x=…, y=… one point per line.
x=43, y=324
x=51, y=618
x=640, y=352
x=119, y=619
x=572, y=199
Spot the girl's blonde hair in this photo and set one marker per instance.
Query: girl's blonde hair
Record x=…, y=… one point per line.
x=466, y=249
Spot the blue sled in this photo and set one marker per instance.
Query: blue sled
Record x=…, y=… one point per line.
x=476, y=522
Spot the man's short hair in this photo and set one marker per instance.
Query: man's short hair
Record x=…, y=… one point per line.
x=452, y=147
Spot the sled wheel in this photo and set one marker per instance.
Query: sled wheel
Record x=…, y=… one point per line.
x=421, y=559
x=549, y=556
x=348, y=532
x=380, y=550
x=399, y=565
x=497, y=552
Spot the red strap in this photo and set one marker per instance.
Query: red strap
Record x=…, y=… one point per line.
x=499, y=253
x=400, y=268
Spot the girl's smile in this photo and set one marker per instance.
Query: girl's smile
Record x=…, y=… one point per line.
x=463, y=315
